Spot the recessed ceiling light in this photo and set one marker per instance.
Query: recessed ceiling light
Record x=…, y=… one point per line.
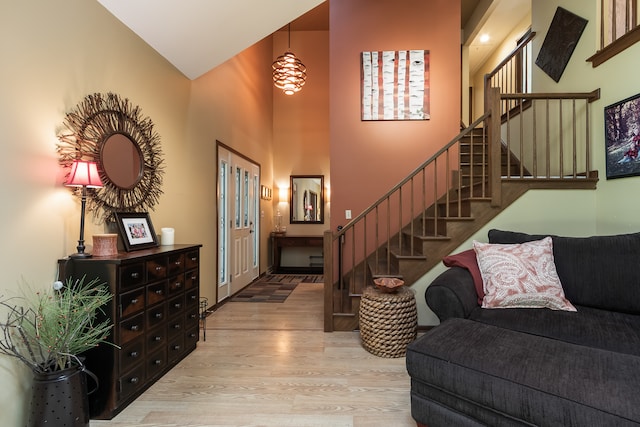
x=484, y=38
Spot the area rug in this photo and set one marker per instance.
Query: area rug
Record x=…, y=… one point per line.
x=274, y=287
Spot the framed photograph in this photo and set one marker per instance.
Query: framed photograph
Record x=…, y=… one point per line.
x=136, y=230
x=622, y=137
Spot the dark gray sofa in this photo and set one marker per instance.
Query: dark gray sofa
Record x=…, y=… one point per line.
x=535, y=366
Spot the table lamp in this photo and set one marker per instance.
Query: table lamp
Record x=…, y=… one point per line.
x=83, y=174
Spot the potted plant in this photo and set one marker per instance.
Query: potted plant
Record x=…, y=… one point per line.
x=48, y=331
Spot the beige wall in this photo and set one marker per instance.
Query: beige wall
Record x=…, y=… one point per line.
x=505, y=48
x=53, y=55
x=616, y=208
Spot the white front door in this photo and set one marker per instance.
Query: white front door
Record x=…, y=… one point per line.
x=238, y=222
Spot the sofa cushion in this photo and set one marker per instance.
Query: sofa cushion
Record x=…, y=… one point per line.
x=521, y=275
x=474, y=368
x=597, y=271
x=590, y=327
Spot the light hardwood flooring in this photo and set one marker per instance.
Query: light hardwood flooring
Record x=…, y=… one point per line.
x=271, y=364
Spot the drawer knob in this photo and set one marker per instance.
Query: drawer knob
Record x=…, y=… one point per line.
x=157, y=362
x=157, y=338
x=193, y=316
x=176, y=326
x=177, y=262
x=135, y=327
x=177, y=305
x=134, y=301
x=134, y=380
x=158, y=315
x=192, y=335
x=194, y=259
x=176, y=347
x=178, y=285
x=158, y=268
x=133, y=354
x=159, y=292
x=135, y=275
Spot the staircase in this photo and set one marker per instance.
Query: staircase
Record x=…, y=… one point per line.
x=449, y=198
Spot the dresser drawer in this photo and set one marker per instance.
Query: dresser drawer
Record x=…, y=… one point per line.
x=131, y=302
x=176, y=306
x=175, y=327
x=156, y=269
x=191, y=299
x=131, y=328
x=156, y=292
x=192, y=318
x=191, y=279
x=176, y=347
x=131, y=275
x=131, y=354
x=176, y=264
x=131, y=381
x=191, y=338
x=156, y=315
x=192, y=259
x=176, y=284
x=157, y=338
x=156, y=363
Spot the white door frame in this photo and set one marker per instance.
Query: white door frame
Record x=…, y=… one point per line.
x=238, y=202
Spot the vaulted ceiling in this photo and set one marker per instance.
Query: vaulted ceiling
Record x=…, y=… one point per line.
x=198, y=35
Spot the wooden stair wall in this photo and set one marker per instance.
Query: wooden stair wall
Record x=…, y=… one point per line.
x=468, y=204
x=446, y=230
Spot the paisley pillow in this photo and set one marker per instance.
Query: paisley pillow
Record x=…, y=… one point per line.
x=520, y=276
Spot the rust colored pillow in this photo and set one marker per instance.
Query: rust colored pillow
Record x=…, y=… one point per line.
x=467, y=259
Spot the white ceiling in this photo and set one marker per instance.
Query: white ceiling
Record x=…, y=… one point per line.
x=198, y=35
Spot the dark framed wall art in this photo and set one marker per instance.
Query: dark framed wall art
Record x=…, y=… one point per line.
x=622, y=137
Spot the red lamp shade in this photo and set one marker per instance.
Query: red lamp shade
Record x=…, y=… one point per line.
x=84, y=174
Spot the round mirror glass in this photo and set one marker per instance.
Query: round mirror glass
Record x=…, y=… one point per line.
x=121, y=161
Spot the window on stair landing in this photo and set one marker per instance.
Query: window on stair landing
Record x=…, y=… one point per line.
x=619, y=28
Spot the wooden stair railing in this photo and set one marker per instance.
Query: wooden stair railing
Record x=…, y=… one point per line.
x=454, y=193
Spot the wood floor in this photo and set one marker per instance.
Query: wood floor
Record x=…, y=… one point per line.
x=271, y=364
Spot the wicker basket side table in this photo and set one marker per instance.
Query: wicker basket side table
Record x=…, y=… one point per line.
x=388, y=321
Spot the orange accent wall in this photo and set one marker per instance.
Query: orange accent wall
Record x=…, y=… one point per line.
x=370, y=157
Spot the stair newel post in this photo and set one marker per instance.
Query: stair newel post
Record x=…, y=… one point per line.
x=493, y=128
x=328, y=279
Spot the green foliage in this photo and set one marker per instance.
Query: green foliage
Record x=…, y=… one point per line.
x=55, y=326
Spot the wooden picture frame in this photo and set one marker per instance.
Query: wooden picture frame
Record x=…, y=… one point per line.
x=136, y=230
x=622, y=137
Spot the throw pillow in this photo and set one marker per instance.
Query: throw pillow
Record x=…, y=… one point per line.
x=467, y=259
x=520, y=276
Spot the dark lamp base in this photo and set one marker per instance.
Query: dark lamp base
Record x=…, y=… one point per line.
x=80, y=255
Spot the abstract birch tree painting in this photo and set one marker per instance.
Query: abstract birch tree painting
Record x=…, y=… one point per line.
x=395, y=85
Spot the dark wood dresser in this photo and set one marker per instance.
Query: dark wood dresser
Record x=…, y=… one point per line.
x=155, y=313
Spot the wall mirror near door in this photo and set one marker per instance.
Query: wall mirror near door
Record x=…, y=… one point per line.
x=306, y=199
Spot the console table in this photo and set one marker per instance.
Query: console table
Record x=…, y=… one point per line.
x=281, y=241
x=155, y=317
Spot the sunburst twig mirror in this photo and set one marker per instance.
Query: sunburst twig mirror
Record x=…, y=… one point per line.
x=112, y=132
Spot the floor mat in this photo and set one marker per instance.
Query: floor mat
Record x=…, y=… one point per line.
x=274, y=287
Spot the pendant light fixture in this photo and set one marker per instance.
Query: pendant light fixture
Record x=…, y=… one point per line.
x=289, y=73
